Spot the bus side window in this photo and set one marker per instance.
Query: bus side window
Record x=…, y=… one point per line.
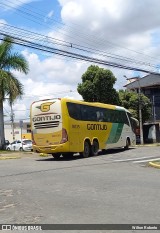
x=74, y=110
x=113, y=116
x=92, y=114
x=84, y=113
x=88, y=113
x=100, y=115
x=107, y=115
x=125, y=118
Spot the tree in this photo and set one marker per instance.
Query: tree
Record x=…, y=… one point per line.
x=10, y=87
x=131, y=101
x=97, y=86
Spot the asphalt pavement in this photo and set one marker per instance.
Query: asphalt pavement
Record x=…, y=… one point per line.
x=117, y=187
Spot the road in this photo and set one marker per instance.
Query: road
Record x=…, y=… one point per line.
x=112, y=188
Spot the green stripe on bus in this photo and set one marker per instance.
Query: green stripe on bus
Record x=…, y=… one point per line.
x=115, y=133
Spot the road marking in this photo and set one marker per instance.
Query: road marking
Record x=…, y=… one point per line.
x=147, y=160
x=135, y=159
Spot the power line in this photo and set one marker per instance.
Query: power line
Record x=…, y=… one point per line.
x=39, y=17
x=61, y=52
x=14, y=31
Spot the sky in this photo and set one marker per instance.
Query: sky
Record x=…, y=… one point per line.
x=123, y=29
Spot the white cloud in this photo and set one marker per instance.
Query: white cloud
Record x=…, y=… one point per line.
x=75, y=9
x=2, y=22
x=56, y=70
x=98, y=22
x=50, y=14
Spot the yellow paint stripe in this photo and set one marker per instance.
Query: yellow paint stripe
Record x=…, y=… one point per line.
x=154, y=165
x=43, y=155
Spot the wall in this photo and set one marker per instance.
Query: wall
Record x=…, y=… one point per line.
x=17, y=131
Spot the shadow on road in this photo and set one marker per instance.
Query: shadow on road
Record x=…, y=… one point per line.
x=77, y=156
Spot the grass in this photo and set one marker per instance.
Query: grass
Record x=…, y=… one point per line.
x=12, y=151
x=7, y=151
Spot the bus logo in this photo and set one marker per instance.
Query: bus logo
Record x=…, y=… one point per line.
x=45, y=107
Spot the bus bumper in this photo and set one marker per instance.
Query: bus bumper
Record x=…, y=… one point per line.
x=60, y=148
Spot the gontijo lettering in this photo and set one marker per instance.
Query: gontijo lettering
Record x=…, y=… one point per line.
x=46, y=118
x=96, y=127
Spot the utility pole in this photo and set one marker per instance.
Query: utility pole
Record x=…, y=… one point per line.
x=12, y=122
x=140, y=115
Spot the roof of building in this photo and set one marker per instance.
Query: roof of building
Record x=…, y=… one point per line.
x=150, y=80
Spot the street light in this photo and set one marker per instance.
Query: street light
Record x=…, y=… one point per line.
x=140, y=113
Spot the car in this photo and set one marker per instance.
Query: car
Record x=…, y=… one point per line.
x=20, y=145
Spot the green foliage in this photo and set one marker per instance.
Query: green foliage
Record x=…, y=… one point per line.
x=132, y=100
x=10, y=86
x=97, y=86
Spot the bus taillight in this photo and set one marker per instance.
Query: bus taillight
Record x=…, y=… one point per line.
x=64, y=136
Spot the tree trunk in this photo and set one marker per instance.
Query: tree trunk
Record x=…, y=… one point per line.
x=2, y=138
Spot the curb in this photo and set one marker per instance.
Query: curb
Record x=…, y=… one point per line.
x=154, y=165
x=148, y=145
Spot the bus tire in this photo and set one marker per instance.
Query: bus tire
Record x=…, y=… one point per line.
x=127, y=144
x=56, y=155
x=86, y=151
x=95, y=148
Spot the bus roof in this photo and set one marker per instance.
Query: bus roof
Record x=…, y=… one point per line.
x=98, y=104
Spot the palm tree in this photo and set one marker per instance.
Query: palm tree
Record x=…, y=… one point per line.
x=10, y=86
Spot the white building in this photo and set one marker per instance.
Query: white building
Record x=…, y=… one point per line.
x=18, y=131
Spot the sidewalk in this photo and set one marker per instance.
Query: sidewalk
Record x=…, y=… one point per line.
x=151, y=144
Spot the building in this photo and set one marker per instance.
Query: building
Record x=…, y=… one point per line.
x=149, y=85
x=22, y=130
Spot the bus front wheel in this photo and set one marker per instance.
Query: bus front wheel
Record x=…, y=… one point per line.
x=86, y=150
x=127, y=144
x=95, y=148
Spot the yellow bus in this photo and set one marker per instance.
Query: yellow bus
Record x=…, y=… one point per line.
x=64, y=126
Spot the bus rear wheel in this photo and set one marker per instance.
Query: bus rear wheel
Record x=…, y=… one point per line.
x=95, y=148
x=56, y=155
x=86, y=151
